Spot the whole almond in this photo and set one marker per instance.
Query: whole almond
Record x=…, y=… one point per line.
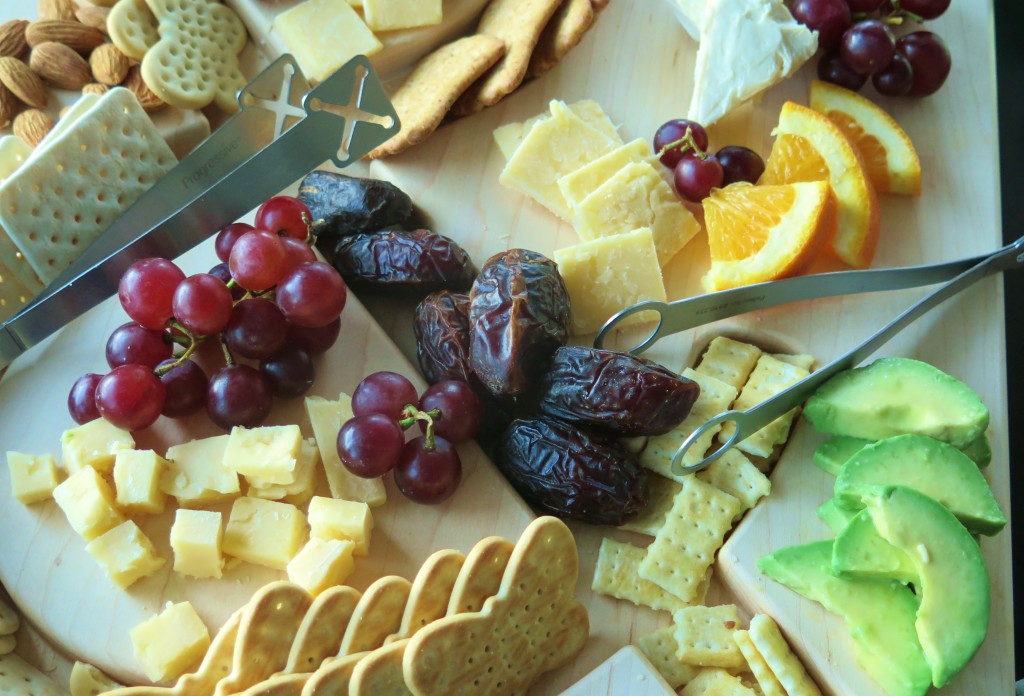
x=147, y=99
x=71, y=33
x=60, y=66
x=109, y=66
x=32, y=125
x=95, y=88
x=93, y=16
x=9, y=106
x=56, y=9
x=25, y=84
x=12, y=38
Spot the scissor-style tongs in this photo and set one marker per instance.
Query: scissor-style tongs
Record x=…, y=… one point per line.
x=690, y=313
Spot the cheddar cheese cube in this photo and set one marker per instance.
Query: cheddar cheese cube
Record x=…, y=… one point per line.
x=88, y=503
x=137, y=482
x=330, y=518
x=388, y=15
x=321, y=564
x=323, y=35
x=268, y=454
x=125, y=553
x=264, y=532
x=171, y=643
x=196, y=474
x=579, y=184
x=301, y=490
x=93, y=444
x=196, y=538
x=33, y=477
x=606, y=275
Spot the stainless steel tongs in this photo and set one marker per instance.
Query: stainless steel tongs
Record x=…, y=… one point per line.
x=689, y=313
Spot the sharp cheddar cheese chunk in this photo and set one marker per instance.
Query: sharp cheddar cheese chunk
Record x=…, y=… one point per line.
x=264, y=532
x=125, y=553
x=33, y=477
x=196, y=474
x=299, y=492
x=171, y=643
x=137, y=482
x=388, y=15
x=321, y=564
x=94, y=444
x=269, y=454
x=579, y=184
x=341, y=519
x=88, y=503
x=509, y=136
x=326, y=418
x=323, y=35
x=636, y=196
x=607, y=275
x=196, y=538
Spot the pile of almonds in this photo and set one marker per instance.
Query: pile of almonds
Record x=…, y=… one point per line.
x=66, y=48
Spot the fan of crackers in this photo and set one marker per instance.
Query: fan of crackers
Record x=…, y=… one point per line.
x=490, y=621
x=515, y=40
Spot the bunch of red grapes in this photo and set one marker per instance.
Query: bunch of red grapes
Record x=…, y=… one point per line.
x=270, y=302
x=427, y=468
x=682, y=146
x=859, y=43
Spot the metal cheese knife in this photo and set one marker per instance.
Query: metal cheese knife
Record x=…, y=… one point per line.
x=282, y=131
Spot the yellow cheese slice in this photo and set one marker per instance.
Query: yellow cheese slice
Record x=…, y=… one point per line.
x=509, y=136
x=196, y=473
x=388, y=15
x=323, y=35
x=585, y=180
x=327, y=417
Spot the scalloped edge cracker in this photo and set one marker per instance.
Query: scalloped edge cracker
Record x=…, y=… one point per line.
x=334, y=675
x=766, y=679
x=481, y=574
x=615, y=575
x=660, y=648
x=563, y=33
x=88, y=680
x=9, y=619
x=322, y=628
x=132, y=28
x=737, y=476
x=377, y=616
x=661, y=492
x=784, y=664
x=704, y=636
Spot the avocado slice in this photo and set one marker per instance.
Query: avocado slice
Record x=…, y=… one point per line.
x=979, y=450
x=938, y=470
x=879, y=614
x=893, y=396
x=953, y=581
x=835, y=516
x=859, y=551
x=835, y=451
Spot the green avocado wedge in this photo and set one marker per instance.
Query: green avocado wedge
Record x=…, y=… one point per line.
x=893, y=396
x=938, y=470
x=879, y=614
x=835, y=451
x=859, y=551
x=834, y=516
x=953, y=616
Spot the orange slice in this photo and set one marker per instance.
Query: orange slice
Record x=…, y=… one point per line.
x=761, y=233
x=809, y=147
x=889, y=157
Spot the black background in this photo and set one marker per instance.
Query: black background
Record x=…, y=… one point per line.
x=1010, y=76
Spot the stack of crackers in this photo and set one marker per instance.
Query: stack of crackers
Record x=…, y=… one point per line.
x=514, y=40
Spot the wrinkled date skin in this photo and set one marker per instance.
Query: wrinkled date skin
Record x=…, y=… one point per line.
x=565, y=471
x=441, y=325
x=405, y=262
x=615, y=392
x=349, y=205
x=518, y=316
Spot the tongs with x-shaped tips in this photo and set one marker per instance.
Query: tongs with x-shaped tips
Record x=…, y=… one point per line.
x=682, y=315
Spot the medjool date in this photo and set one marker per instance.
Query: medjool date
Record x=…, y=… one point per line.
x=344, y=205
x=615, y=391
x=565, y=471
x=417, y=261
x=518, y=316
x=441, y=325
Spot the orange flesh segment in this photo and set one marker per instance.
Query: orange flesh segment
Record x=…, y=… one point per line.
x=744, y=223
x=871, y=151
x=793, y=159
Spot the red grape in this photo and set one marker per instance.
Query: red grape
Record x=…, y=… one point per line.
x=147, y=289
x=896, y=79
x=428, y=476
x=296, y=252
x=831, y=68
x=257, y=260
x=202, y=303
x=314, y=340
x=227, y=237
x=864, y=6
x=672, y=131
x=369, y=446
x=131, y=344
x=222, y=271
x=830, y=18
x=257, y=329
x=82, y=398
x=130, y=397
x=925, y=9
x=312, y=295
x=238, y=395
x=739, y=164
x=695, y=177
x=867, y=46
x=460, y=410
x=186, y=387
x=282, y=215
x=386, y=393
x=929, y=59
x=288, y=372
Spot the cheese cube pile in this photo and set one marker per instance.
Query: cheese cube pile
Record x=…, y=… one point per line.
x=573, y=162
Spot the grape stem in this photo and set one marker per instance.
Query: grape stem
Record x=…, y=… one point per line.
x=193, y=344
x=686, y=144
x=228, y=358
x=411, y=414
x=898, y=15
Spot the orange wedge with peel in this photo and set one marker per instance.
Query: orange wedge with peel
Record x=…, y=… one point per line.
x=889, y=157
x=809, y=147
x=761, y=233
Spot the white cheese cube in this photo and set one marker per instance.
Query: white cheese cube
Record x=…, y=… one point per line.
x=88, y=503
x=93, y=444
x=171, y=643
x=196, y=538
x=33, y=477
x=330, y=518
x=323, y=35
x=137, y=482
x=321, y=564
x=125, y=553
